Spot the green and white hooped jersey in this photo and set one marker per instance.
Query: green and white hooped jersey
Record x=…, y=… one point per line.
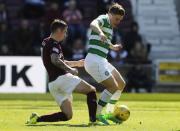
x=96, y=46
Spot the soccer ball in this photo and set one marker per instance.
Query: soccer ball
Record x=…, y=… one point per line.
x=121, y=112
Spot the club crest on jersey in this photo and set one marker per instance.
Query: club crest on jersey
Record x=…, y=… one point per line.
x=106, y=73
x=55, y=49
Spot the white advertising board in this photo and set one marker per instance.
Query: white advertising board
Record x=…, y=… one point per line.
x=22, y=74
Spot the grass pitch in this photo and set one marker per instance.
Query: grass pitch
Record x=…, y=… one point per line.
x=149, y=112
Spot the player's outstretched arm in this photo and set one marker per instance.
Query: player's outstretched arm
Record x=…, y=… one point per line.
x=96, y=28
x=79, y=63
x=60, y=64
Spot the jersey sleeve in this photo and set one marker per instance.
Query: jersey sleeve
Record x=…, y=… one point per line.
x=54, y=49
x=100, y=20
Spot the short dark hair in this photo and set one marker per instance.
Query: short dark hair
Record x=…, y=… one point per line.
x=117, y=9
x=57, y=24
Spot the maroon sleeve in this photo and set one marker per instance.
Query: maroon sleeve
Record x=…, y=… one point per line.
x=54, y=49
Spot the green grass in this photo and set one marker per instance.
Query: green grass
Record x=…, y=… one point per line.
x=149, y=112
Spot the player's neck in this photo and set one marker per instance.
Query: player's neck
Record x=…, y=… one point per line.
x=54, y=37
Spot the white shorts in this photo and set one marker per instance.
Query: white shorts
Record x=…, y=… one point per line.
x=98, y=67
x=62, y=88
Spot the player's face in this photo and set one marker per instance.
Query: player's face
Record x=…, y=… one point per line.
x=61, y=34
x=115, y=20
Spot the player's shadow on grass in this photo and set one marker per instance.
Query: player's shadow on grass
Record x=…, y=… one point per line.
x=68, y=125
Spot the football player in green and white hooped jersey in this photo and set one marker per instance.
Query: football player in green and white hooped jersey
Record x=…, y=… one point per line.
x=97, y=65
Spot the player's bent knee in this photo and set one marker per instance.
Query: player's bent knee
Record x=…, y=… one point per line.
x=69, y=116
x=122, y=84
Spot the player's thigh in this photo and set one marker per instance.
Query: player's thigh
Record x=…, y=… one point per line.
x=96, y=67
x=118, y=77
x=84, y=88
x=67, y=83
x=66, y=107
x=110, y=84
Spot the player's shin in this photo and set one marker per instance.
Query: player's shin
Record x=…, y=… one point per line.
x=114, y=99
x=92, y=105
x=59, y=116
x=103, y=100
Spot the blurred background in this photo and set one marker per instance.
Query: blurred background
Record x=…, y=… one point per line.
x=149, y=61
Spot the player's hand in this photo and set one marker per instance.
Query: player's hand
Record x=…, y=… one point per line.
x=80, y=63
x=116, y=47
x=103, y=37
x=74, y=71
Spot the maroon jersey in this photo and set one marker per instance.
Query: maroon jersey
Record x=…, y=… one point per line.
x=50, y=46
